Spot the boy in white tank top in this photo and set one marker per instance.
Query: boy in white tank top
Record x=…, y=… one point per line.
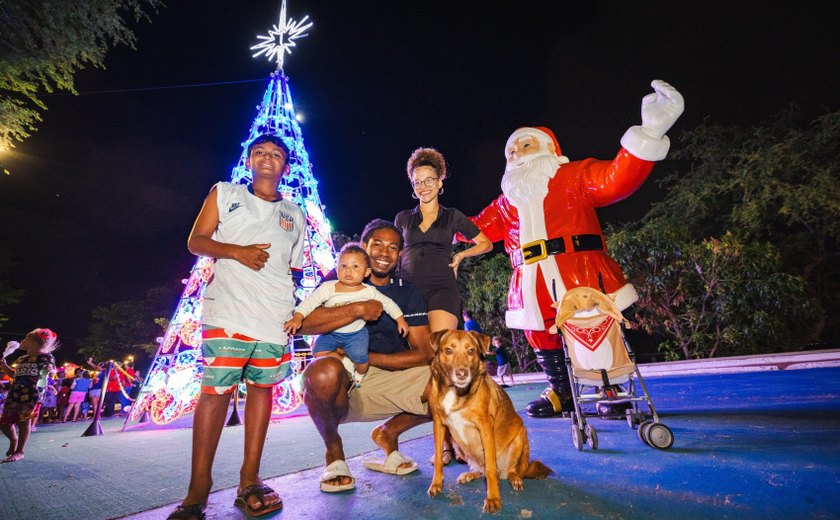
x=257, y=239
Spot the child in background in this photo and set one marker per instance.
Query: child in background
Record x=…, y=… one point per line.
x=97, y=378
x=30, y=379
x=4, y=392
x=64, y=395
x=352, y=269
x=50, y=401
x=503, y=362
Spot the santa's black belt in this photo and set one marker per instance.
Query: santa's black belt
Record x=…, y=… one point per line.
x=542, y=249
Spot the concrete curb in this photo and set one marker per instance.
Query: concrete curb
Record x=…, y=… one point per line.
x=729, y=365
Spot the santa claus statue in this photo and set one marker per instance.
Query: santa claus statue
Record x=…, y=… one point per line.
x=546, y=217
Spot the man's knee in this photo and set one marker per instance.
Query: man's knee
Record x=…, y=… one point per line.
x=322, y=378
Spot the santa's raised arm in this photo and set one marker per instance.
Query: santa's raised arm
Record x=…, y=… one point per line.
x=546, y=217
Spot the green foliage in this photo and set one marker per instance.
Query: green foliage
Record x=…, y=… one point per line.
x=43, y=43
x=484, y=291
x=8, y=294
x=127, y=326
x=778, y=182
x=714, y=297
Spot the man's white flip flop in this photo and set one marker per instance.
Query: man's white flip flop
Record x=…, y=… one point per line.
x=391, y=464
x=337, y=468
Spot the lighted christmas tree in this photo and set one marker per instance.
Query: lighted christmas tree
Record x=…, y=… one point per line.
x=173, y=384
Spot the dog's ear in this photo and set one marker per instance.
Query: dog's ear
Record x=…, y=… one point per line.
x=439, y=375
x=435, y=337
x=483, y=342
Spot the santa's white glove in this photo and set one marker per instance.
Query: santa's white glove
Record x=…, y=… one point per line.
x=659, y=112
x=661, y=109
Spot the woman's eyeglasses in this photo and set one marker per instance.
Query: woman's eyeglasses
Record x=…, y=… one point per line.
x=427, y=182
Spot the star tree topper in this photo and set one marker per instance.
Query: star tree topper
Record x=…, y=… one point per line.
x=281, y=38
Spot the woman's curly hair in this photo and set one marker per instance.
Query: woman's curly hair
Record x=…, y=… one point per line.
x=426, y=157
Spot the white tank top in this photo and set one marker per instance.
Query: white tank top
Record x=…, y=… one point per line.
x=255, y=303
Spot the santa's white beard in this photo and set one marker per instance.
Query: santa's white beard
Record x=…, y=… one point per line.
x=529, y=181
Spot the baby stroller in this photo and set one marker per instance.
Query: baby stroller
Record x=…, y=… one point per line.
x=602, y=369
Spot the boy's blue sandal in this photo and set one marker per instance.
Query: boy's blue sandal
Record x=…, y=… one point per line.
x=259, y=491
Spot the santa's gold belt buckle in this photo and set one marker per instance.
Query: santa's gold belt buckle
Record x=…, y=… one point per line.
x=533, y=252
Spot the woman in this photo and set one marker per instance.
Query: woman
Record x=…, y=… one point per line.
x=429, y=231
x=78, y=392
x=427, y=261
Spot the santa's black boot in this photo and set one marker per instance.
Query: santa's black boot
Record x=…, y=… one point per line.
x=556, y=399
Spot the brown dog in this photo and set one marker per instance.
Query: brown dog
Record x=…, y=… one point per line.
x=480, y=417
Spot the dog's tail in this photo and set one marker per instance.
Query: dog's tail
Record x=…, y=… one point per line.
x=537, y=470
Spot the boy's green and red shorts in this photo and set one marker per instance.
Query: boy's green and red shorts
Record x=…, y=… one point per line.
x=230, y=357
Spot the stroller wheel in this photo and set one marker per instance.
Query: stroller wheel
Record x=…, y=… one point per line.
x=660, y=436
x=577, y=438
x=591, y=437
x=642, y=432
x=632, y=418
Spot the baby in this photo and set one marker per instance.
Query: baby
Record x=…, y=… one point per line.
x=352, y=269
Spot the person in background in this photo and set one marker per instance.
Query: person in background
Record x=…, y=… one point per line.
x=4, y=392
x=78, y=392
x=502, y=362
x=64, y=395
x=469, y=323
x=49, y=403
x=98, y=378
x=30, y=379
x=128, y=378
x=112, y=393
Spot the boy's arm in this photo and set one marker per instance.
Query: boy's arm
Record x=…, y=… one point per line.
x=202, y=243
x=421, y=352
x=323, y=319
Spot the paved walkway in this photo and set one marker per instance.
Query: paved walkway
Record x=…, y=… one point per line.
x=748, y=445
x=757, y=444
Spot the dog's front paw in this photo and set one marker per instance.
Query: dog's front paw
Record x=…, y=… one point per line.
x=435, y=488
x=492, y=505
x=516, y=483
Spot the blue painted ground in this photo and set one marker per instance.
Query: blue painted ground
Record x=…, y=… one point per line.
x=762, y=445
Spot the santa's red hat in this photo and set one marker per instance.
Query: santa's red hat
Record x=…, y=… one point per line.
x=543, y=134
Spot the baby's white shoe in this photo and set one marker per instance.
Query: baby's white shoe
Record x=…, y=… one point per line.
x=358, y=378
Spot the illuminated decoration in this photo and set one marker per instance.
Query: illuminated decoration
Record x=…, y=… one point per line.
x=281, y=38
x=173, y=384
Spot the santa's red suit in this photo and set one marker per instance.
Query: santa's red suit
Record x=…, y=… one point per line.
x=575, y=255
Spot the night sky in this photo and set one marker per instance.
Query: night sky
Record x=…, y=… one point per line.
x=101, y=199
